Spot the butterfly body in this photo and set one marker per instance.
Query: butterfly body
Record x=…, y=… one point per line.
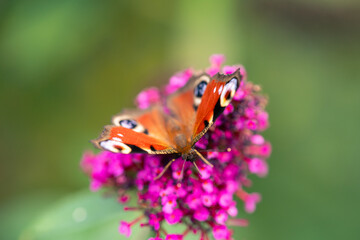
x=190, y=155
x=193, y=109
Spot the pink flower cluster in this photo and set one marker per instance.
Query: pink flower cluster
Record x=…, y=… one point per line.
x=206, y=204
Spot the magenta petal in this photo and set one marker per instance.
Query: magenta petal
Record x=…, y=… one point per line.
x=125, y=228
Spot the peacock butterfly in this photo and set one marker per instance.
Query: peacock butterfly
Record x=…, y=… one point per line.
x=193, y=110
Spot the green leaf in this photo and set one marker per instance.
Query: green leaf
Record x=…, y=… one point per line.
x=84, y=215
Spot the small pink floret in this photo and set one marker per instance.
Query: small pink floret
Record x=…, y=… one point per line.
x=173, y=217
x=95, y=185
x=229, y=69
x=263, y=119
x=193, y=201
x=125, y=228
x=229, y=109
x=155, y=238
x=217, y=59
x=257, y=139
x=221, y=217
x=208, y=200
x=154, y=221
x=169, y=203
x=225, y=199
x=177, y=174
x=232, y=210
x=258, y=167
x=201, y=214
x=208, y=186
x=221, y=232
x=250, y=202
x=148, y=97
x=174, y=237
x=178, y=80
x=124, y=198
x=265, y=149
x=205, y=171
x=251, y=124
x=239, y=95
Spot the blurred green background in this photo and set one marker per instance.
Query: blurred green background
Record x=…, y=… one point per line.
x=67, y=66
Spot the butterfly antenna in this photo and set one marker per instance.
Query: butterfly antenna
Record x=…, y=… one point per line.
x=209, y=150
x=164, y=170
x=202, y=158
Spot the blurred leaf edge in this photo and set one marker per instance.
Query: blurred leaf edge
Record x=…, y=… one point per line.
x=83, y=215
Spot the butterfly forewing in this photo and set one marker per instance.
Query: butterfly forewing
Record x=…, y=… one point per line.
x=137, y=131
x=217, y=96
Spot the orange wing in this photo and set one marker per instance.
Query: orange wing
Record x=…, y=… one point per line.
x=186, y=100
x=184, y=103
x=217, y=96
x=119, y=139
x=136, y=132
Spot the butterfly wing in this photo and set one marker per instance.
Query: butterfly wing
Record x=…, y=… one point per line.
x=184, y=103
x=137, y=132
x=217, y=96
x=202, y=100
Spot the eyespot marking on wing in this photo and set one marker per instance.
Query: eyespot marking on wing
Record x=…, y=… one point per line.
x=130, y=123
x=228, y=92
x=199, y=90
x=115, y=146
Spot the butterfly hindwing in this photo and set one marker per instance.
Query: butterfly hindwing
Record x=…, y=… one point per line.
x=135, y=132
x=217, y=96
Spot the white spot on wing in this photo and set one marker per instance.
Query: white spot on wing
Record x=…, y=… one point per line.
x=214, y=89
x=197, y=101
x=220, y=89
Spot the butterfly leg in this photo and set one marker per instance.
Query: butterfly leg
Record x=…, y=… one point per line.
x=164, y=170
x=202, y=158
x=196, y=167
x=182, y=171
